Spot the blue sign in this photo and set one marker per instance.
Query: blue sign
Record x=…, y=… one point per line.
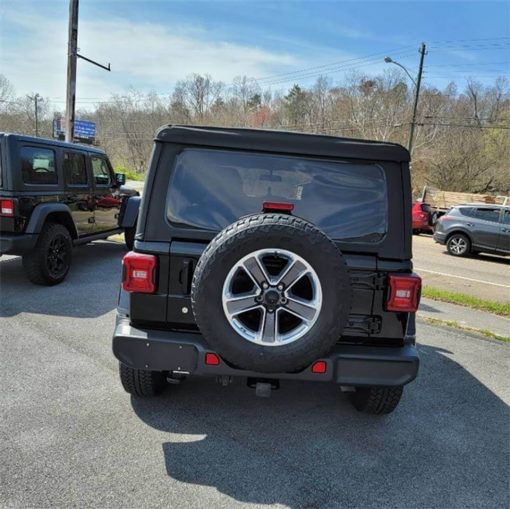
x=83, y=129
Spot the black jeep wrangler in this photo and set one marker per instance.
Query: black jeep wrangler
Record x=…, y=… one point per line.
x=271, y=256
x=54, y=195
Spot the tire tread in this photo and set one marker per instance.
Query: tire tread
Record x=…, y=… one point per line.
x=140, y=382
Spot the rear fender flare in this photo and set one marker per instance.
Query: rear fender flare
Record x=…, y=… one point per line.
x=129, y=214
x=58, y=212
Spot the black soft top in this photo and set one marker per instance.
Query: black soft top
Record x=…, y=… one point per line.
x=54, y=143
x=283, y=142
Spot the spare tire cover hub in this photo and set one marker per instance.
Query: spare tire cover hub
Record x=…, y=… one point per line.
x=278, y=303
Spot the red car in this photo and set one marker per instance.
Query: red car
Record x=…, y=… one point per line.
x=422, y=218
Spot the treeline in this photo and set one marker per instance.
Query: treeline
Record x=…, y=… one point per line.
x=462, y=139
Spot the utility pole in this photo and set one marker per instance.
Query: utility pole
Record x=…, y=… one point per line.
x=72, y=57
x=416, y=97
x=36, y=98
x=72, y=52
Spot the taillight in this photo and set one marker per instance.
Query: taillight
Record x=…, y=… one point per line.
x=404, y=293
x=275, y=206
x=139, y=272
x=7, y=208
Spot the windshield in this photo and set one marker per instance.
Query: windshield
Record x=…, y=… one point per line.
x=213, y=188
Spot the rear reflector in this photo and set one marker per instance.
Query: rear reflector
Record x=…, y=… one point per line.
x=404, y=293
x=7, y=208
x=274, y=206
x=212, y=359
x=319, y=367
x=138, y=273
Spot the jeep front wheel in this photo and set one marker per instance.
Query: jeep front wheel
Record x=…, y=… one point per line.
x=50, y=260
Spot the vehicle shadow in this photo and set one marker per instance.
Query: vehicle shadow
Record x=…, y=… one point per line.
x=445, y=446
x=94, y=277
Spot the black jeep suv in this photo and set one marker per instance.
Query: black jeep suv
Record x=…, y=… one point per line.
x=271, y=256
x=54, y=195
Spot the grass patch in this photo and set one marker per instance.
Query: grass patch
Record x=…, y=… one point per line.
x=456, y=325
x=130, y=174
x=463, y=299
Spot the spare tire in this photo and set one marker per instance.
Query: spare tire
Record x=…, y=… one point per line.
x=271, y=293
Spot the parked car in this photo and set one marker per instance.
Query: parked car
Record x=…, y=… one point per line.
x=422, y=218
x=54, y=195
x=271, y=256
x=471, y=229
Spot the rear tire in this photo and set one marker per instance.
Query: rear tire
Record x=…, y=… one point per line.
x=458, y=245
x=50, y=260
x=141, y=382
x=377, y=400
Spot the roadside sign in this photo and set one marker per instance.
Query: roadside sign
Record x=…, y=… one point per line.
x=84, y=130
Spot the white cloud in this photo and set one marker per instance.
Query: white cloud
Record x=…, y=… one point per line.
x=144, y=55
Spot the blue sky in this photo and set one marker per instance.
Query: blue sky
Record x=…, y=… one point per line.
x=151, y=44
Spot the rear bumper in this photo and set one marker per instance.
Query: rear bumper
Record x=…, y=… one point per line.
x=17, y=244
x=184, y=353
x=440, y=237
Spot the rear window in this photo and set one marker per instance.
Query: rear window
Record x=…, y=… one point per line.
x=210, y=189
x=488, y=214
x=38, y=165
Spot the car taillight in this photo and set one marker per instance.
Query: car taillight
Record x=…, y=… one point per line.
x=403, y=293
x=138, y=273
x=274, y=206
x=7, y=208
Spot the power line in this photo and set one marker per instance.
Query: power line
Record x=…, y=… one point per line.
x=303, y=76
x=332, y=64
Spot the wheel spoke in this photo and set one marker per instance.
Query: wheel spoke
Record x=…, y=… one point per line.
x=241, y=303
x=302, y=309
x=294, y=273
x=269, y=329
x=256, y=271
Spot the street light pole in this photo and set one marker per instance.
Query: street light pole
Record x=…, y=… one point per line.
x=417, y=85
x=72, y=57
x=416, y=98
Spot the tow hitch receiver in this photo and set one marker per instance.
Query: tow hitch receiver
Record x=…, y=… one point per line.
x=263, y=386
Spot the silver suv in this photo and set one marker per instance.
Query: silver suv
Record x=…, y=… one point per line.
x=471, y=229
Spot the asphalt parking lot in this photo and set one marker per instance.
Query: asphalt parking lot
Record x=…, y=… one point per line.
x=70, y=436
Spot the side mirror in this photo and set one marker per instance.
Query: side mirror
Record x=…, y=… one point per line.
x=120, y=179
